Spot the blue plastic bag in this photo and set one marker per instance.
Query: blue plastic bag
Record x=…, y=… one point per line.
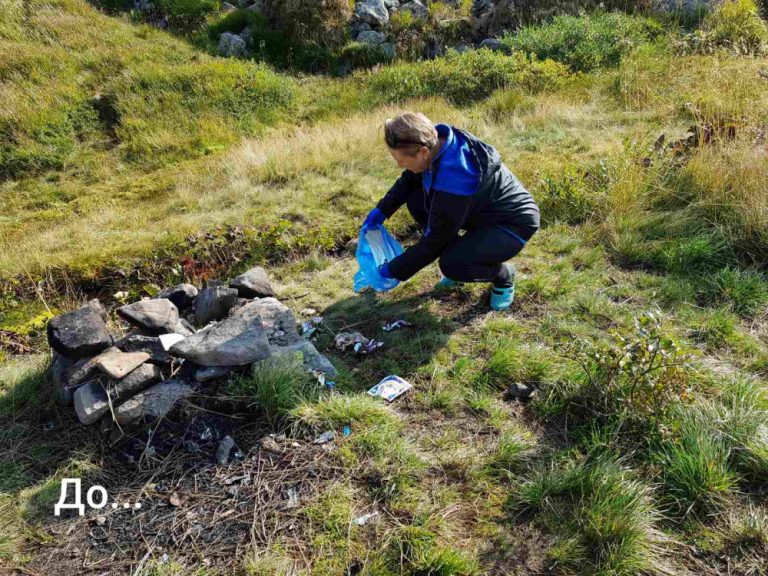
x=374, y=247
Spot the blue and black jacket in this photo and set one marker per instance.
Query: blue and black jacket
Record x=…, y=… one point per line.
x=466, y=187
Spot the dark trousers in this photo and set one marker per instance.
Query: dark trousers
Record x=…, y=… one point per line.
x=479, y=254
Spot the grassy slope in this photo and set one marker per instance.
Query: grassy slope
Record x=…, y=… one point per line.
x=449, y=462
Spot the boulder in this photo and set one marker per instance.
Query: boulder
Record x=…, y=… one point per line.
x=91, y=402
x=142, y=377
x=226, y=7
x=358, y=26
x=80, y=333
x=257, y=6
x=310, y=357
x=371, y=37
x=184, y=328
x=154, y=402
x=56, y=375
x=236, y=341
x=214, y=303
x=388, y=49
x=149, y=344
x=374, y=12
x=278, y=321
x=117, y=364
x=492, y=44
x=416, y=8
x=253, y=284
x=182, y=295
x=231, y=45
x=159, y=315
x=211, y=373
x=79, y=372
x=392, y=4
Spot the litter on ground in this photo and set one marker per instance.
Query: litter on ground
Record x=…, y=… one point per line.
x=364, y=519
x=390, y=388
x=367, y=348
x=325, y=437
x=168, y=340
x=396, y=325
x=344, y=340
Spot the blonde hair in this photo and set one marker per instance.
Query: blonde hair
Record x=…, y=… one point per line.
x=409, y=132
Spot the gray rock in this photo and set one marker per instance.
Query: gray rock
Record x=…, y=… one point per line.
x=144, y=376
x=236, y=341
x=79, y=372
x=211, y=373
x=246, y=34
x=231, y=45
x=416, y=8
x=154, y=402
x=118, y=364
x=388, y=49
x=80, y=333
x=253, y=284
x=159, y=315
x=371, y=37
x=358, y=27
x=374, y=12
x=257, y=6
x=685, y=6
x=224, y=448
x=492, y=44
x=226, y=7
x=214, y=303
x=462, y=48
x=56, y=375
x=520, y=392
x=310, y=357
x=149, y=344
x=278, y=321
x=392, y=4
x=91, y=402
x=184, y=328
x=182, y=295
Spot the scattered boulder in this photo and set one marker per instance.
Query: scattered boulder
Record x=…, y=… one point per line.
x=56, y=375
x=374, y=12
x=149, y=344
x=278, y=321
x=416, y=8
x=91, y=402
x=520, y=392
x=257, y=7
x=140, y=378
x=182, y=295
x=226, y=7
x=159, y=315
x=388, y=49
x=371, y=37
x=184, y=328
x=154, y=402
x=310, y=357
x=392, y=4
x=253, y=284
x=117, y=364
x=492, y=44
x=236, y=341
x=231, y=45
x=214, y=303
x=211, y=373
x=80, y=333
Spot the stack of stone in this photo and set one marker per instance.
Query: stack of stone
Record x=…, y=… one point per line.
x=180, y=342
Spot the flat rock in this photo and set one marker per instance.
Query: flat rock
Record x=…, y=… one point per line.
x=154, y=402
x=91, y=402
x=80, y=372
x=310, y=357
x=214, y=303
x=159, y=315
x=253, y=284
x=278, y=321
x=211, y=373
x=182, y=295
x=371, y=37
x=140, y=378
x=80, y=333
x=492, y=44
x=149, y=344
x=117, y=364
x=236, y=341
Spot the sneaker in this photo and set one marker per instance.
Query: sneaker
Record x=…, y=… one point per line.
x=447, y=284
x=501, y=298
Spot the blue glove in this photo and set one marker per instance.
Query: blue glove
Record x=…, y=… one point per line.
x=375, y=218
x=384, y=271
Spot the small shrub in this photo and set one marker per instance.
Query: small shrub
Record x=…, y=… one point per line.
x=360, y=55
x=462, y=78
x=734, y=25
x=276, y=386
x=586, y=42
x=572, y=196
x=320, y=22
x=186, y=14
x=744, y=291
x=506, y=102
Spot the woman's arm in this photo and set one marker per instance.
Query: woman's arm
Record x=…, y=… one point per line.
x=399, y=192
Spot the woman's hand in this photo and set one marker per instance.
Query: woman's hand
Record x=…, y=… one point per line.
x=375, y=218
x=384, y=271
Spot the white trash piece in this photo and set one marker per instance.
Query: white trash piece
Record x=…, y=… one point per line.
x=168, y=340
x=390, y=388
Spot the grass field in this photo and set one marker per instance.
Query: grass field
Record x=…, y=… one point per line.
x=641, y=315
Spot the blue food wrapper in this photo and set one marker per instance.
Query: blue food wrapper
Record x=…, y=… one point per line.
x=375, y=247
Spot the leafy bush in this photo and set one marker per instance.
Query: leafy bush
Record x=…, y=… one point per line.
x=462, y=78
x=734, y=25
x=586, y=42
x=361, y=55
x=186, y=14
x=320, y=22
x=572, y=196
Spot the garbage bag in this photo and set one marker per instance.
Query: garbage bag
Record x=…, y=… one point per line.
x=374, y=247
